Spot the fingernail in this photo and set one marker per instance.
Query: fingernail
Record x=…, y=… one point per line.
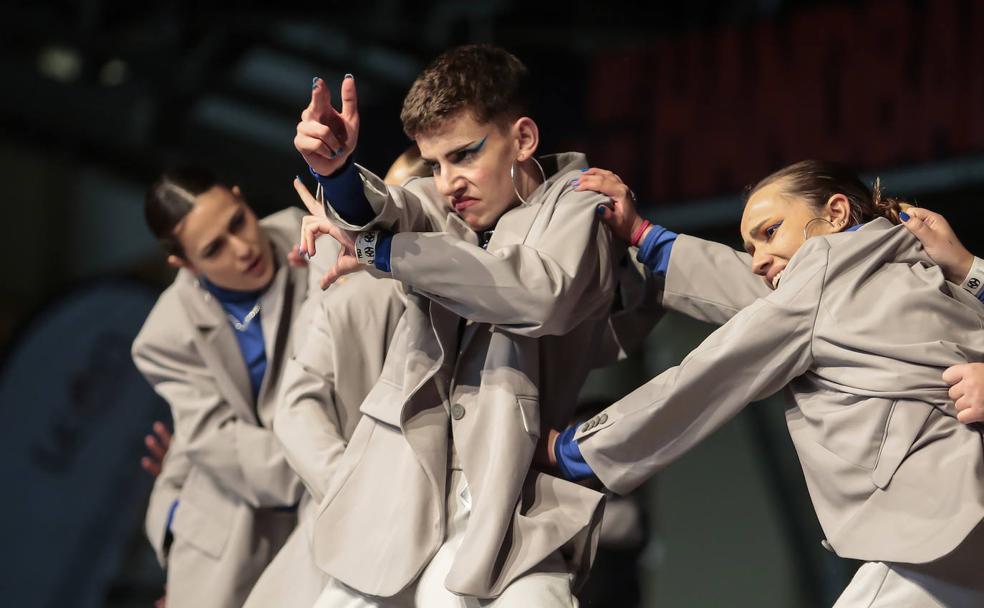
x=583, y=170
x=340, y=150
x=314, y=82
x=297, y=177
x=600, y=210
x=575, y=181
x=348, y=76
x=903, y=216
x=333, y=155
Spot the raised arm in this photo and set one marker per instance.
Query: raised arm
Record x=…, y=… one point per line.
x=941, y=243
x=243, y=458
x=705, y=280
x=544, y=285
x=354, y=198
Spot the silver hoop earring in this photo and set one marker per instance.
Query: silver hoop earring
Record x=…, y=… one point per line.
x=512, y=176
x=807, y=226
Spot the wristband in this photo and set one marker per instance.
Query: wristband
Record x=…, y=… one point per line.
x=974, y=283
x=641, y=230
x=365, y=247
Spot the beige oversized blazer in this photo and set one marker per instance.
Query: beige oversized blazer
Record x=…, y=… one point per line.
x=327, y=379
x=517, y=326
x=339, y=356
x=859, y=332
x=226, y=466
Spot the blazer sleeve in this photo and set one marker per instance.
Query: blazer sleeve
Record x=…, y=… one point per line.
x=167, y=489
x=753, y=355
x=306, y=421
x=245, y=459
x=546, y=285
x=395, y=208
x=710, y=281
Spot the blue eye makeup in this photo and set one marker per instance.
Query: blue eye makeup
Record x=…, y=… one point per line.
x=470, y=151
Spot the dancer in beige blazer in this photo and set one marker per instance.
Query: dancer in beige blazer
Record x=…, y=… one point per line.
x=860, y=326
x=229, y=492
x=509, y=278
x=338, y=357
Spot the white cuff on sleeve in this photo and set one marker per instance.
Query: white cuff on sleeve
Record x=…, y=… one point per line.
x=974, y=283
x=365, y=247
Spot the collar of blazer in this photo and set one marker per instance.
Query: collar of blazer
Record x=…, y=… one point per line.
x=873, y=244
x=219, y=347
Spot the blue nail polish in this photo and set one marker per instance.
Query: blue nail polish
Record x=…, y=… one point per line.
x=583, y=170
x=314, y=82
x=348, y=76
x=903, y=216
x=340, y=150
x=332, y=156
x=600, y=210
x=575, y=181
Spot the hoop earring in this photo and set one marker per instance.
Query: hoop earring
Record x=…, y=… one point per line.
x=807, y=226
x=512, y=176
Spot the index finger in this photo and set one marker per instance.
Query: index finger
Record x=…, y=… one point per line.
x=320, y=100
x=312, y=204
x=350, y=99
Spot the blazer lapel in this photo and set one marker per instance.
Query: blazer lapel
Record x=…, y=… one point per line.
x=218, y=346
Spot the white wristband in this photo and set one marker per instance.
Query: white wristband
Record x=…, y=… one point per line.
x=365, y=247
x=974, y=283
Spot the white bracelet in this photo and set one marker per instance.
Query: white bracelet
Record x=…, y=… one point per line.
x=974, y=283
x=365, y=247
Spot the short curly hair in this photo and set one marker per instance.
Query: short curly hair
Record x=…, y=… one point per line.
x=484, y=79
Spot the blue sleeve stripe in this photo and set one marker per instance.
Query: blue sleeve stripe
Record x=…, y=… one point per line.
x=656, y=248
x=569, y=459
x=384, y=245
x=345, y=191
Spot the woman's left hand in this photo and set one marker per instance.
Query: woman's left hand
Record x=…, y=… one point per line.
x=621, y=215
x=967, y=390
x=316, y=224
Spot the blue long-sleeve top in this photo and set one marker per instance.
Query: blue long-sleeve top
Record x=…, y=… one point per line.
x=238, y=304
x=348, y=197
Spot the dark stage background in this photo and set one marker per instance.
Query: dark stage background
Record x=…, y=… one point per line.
x=689, y=101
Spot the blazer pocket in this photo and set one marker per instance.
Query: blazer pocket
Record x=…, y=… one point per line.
x=384, y=402
x=905, y=421
x=529, y=412
x=206, y=529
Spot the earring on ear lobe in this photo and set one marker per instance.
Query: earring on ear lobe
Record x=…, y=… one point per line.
x=512, y=176
x=806, y=227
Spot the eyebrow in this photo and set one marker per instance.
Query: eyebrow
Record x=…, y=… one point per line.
x=477, y=144
x=209, y=245
x=751, y=234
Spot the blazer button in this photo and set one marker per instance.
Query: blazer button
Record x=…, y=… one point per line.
x=603, y=419
x=585, y=427
x=457, y=411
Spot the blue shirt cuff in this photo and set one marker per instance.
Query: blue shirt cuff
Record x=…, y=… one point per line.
x=170, y=514
x=346, y=194
x=569, y=459
x=656, y=248
x=980, y=297
x=384, y=244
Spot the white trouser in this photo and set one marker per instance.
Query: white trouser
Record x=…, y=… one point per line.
x=550, y=588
